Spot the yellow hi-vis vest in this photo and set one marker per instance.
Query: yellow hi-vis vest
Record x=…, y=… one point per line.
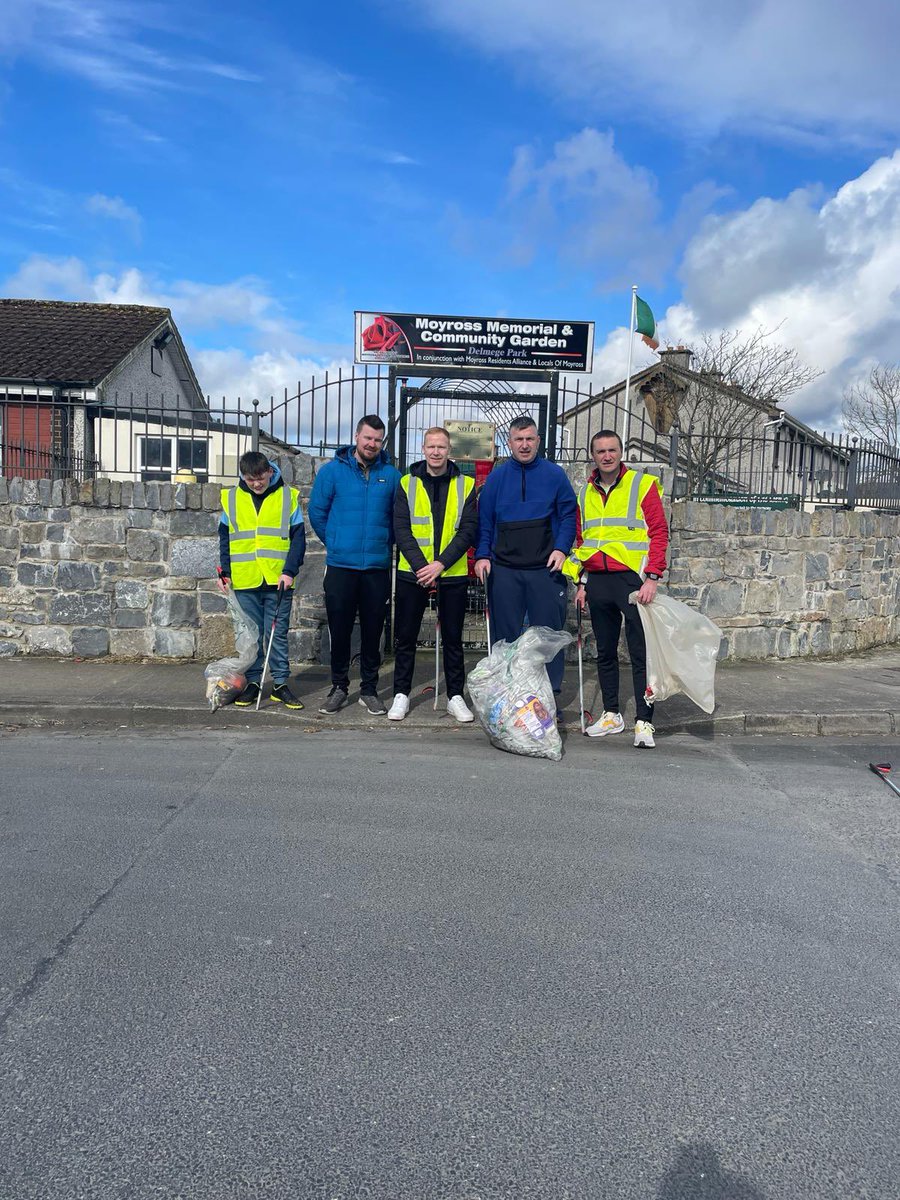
x=258, y=541
x=616, y=528
x=422, y=519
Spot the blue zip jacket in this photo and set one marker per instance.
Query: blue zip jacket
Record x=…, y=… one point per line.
x=525, y=512
x=352, y=514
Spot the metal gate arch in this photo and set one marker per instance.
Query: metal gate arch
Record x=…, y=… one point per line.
x=472, y=395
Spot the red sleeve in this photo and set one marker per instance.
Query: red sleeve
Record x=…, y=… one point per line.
x=658, y=530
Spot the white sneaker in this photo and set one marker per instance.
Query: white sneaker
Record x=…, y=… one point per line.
x=458, y=709
x=399, y=708
x=610, y=722
x=643, y=735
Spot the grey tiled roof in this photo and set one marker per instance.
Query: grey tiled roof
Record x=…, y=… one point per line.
x=55, y=341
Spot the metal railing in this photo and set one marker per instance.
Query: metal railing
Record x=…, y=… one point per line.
x=77, y=436
x=582, y=414
x=797, y=467
x=49, y=435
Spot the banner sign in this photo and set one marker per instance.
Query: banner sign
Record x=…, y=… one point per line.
x=486, y=342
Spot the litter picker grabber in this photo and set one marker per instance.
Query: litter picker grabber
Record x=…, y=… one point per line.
x=437, y=647
x=882, y=770
x=269, y=647
x=487, y=617
x=580, y=608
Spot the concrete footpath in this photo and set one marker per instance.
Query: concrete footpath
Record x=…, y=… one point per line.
x=858, y=695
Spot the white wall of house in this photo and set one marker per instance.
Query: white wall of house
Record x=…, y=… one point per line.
x=146, y=449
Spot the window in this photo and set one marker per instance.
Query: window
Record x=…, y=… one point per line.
x=193, y=455
x=156, y=456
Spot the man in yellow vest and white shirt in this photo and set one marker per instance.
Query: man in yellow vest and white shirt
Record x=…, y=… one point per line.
x=621, y=548
x=435, y=523
x=262, y=544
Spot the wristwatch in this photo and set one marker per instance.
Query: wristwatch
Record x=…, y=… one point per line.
x=650, y=575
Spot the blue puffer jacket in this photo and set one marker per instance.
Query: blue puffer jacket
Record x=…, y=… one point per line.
x=353, y=514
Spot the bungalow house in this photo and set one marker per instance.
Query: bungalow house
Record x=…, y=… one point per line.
x=721, y=441
x=106, y=389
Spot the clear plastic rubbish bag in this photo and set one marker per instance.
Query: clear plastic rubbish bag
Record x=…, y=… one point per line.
x=512, y=696
x=225, y=678
x=682, y=648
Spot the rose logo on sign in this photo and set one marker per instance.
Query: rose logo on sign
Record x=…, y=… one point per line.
x=382, y=334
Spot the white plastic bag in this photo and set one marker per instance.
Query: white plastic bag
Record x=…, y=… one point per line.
x=225, y=678
x=512, y=696
x=682, y=647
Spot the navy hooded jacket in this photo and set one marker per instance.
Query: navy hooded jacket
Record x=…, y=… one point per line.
x=525, y=512
x=351, y=510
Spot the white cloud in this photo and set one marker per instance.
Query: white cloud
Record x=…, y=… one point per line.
x=116, y=209
x=589, y=207
x=272, y=353
x=824, y=274
x=587, y=202
x=791, y=70
x=108, y=43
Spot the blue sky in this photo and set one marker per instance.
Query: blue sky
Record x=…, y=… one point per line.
x=264, y=170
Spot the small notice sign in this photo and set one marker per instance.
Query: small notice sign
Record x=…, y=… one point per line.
x=471, y=439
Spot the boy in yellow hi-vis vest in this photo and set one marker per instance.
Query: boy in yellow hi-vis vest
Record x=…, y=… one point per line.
x=435, y=523
x=621, y=549
x=262, y=544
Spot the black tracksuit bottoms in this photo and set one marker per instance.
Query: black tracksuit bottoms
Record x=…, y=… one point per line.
x=410, y=602
x=349, y=594
x=607, y=597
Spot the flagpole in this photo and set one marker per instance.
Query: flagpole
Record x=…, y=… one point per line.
x=631, y=328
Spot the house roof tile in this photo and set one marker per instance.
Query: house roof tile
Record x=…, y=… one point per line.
x=61, y=342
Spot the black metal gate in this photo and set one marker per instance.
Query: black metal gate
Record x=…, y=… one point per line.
x=435, y=398
x=469, y=396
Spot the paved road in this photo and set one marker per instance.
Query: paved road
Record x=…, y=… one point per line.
x=239, y=968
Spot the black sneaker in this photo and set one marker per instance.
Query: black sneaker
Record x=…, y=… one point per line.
x=282, y=694
x=336, y=699
x=371, y=702
x=248, y=696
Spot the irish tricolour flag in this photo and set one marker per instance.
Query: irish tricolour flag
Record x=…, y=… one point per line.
x=645, y=323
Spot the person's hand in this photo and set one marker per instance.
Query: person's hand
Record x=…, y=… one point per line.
x=647, y=591
x=425, y=576
x=286, y=582
x=579, y=596
x=222, y=583
x=482, y=569
x=556, y=560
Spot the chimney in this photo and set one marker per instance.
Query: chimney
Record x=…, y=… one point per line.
x=677, y=356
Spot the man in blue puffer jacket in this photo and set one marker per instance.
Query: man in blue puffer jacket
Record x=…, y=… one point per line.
x=351, y=509
x=526, y=527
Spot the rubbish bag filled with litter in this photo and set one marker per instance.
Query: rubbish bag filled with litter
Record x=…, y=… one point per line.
x=512, y=696
x=225, y=678
x=682, y=648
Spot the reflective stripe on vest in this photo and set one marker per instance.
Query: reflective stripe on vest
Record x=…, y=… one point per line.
x=421, y=519
x=258, y=551
x=623, y=535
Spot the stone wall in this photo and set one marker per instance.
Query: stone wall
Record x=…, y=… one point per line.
x=128, y=570
x=785, y=584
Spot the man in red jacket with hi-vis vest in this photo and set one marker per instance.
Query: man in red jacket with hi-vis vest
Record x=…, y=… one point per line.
x=620, y=549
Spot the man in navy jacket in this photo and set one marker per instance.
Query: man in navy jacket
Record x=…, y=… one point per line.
x=351, y=509
x=526, y=527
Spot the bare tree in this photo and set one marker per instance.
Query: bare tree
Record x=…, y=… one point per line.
x=872, y=408
x=734, y=382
